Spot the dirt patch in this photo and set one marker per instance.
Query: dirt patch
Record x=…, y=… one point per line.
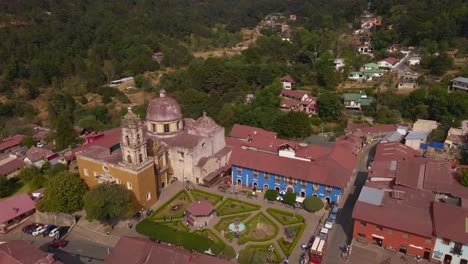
x=262, y=230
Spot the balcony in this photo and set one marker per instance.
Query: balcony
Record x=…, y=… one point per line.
x=456, y=251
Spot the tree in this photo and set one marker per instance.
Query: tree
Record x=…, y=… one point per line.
x=327, y=76
x=8, y=186
x=65, y=134
x=27, y=141
x=290, y=232
x=108, y=202
x=464, y=178
x=289, y=198
x=329, y=106
x=437, y=135
x=63, y=193
x=313, y=204
x=293, y=125
x=28, y=173
x=271, y=195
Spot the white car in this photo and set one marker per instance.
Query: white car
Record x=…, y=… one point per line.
x=54, y=232
x=39, y=144
x=39, y=230
x=329, y=223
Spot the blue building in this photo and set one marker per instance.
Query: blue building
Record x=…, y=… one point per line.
x=261, y=160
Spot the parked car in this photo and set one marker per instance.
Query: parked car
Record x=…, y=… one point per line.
x=329, y=223
x=334, y=212
x=63, y=230
x=29, y=229
x=39, y=230
x=58, y=243
x=48, y=229
x=55, y=232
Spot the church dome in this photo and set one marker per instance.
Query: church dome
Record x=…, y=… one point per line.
x=204, y=125
x=163, y=109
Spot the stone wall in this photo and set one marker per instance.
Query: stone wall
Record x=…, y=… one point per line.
x=59, y=219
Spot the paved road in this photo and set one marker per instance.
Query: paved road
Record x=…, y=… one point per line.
x=79, y=251
x=342, y=232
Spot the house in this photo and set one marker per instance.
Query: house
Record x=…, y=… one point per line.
x=388, y=63
x=261, y=160
x=199, y=213
x=397, y=218
x=407, y=83
x=414, y=139
x=423, y=125
x=339, y=64
x=394, y=48
x=138, y=250
x=10, y=168
x=10, y=144
x=456, y=138
x=158, y=56
x=292, y=17
x=249, y=98
x=370, y=132
x=293, y=100
x=365, y=50
x=415, y=60
x=22, y=251
x=356, y=100
x=365, y=75
x=451, y=231
x=38, y=156
x=459, y=84
x=397, y=135
x=287, y=82
x=371, y=66
x=14, y=210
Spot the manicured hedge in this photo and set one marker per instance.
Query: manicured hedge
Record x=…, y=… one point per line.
x=289, y=250
x=220, y=226
x=197, y=192
x=313, y=204
x=154, y=215
x=271, y=195
x=251, y=207
x=248, y=230
x=276, y=213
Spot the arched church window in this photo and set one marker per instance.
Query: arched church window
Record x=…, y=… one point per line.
x=153, y=126
x=127, y=140
x=138, y=139
x=129, y=159
x=141, y=157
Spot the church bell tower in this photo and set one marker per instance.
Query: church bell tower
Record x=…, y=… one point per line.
x=132, y=142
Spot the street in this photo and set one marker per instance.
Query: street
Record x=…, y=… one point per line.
x=342, y=233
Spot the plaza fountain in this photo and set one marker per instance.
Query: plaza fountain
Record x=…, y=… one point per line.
x=236, y=227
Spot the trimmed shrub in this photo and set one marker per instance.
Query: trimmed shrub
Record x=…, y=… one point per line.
x=313, y=204
x=289, y=198
x=271, y=195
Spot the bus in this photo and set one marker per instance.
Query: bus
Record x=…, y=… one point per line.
x=316, y=251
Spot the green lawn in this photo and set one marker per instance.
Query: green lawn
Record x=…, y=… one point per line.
x=233, y=206
x=259, y=228
x=177, y=225
x=226, y=251
x=200, y=195
x=174, y=207
x=285, y=218
x=288, y=247
x=259, y=254
x=224, y=222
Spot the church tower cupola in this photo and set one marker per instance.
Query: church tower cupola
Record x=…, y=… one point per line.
x=132, y=142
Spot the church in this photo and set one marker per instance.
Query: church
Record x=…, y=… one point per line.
x=148, y=155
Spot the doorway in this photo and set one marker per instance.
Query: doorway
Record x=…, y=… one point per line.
x=328, y=200
x=290, y=189
x=447, y=259
x=427, y=255
x=239, y=181
x=377, y=241
x=403, y=249
x=277, y=188
x=255, y=184
x=303, y=194
x=265, y=187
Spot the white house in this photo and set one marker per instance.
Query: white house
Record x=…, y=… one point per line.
x=389, y=63
x=415, y=138
x=339, y=63
x=287, y=81
x=414, y=60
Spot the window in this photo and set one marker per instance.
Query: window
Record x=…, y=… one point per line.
x=105, y=168
x=138, y=139
x=166, y=128
x=129, y=185
x=148, y=196
x=239, y=170
x=328, y=189
x=363, y=223
x=390, y=231
x=140, y=157
x=127, y=140
x=255, y=174
x=266, y=176
x=361, y=235
x=178, y=125
x=446, y=241
x=428, y=241
x=181, y=155
x=153, y=127
x=405, y=235
x=380, y=228
x=316, y=187
x=129, y=159
x=277, y=178
x=85, y=172
x=303, y=184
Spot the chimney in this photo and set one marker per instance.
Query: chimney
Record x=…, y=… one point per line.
x=162, y=93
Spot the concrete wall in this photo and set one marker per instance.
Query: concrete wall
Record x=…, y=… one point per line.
x=54, y=219
x=441, y=250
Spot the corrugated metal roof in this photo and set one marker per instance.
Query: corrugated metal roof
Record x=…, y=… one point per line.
x=371, y=195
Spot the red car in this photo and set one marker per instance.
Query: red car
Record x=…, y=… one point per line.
x=58, y=243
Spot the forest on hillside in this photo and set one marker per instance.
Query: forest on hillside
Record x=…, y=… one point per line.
x=76, y=47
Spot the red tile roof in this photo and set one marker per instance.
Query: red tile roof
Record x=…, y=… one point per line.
x=34, y=153
x=11, y=166
x=391, y=60
x=451, y=222
x=288, y=78
x=21, y=251
x=383, y=169
x=410, y=173
x=440, y=177
x=137, y=250
x=292, y=94
x=394, y=151
x=289, y=103
x=105, y=139
x=10, y=142
x=241, y=131
x=200, y=208
x=412, y=214
x=15, y=206
x=381, y=130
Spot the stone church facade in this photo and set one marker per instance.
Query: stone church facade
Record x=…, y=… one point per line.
x=153, y=153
